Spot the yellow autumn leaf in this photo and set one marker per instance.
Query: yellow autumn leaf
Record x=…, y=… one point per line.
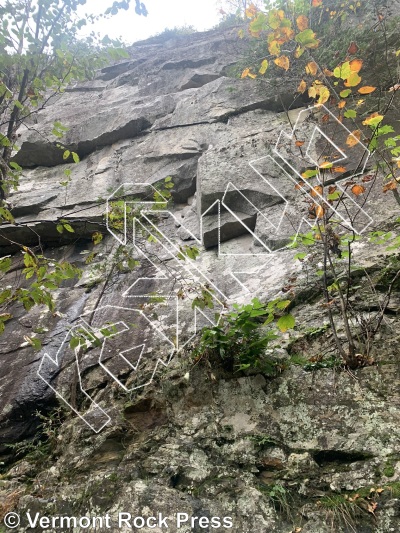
x=264, y=66
x=312, y=68
x=282, y=62
x=312, y=92
x=302, y=87
x=373, y=120
x=324, y=95
x=251, y=11
x=302, y=22
x=353, y=80
x=245, y=73
x=367, y=89
x=252, y=76
x=353, y=138
x=274, y=48
x=299, y=52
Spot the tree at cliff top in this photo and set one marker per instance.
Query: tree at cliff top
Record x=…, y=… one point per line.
x=40, y=54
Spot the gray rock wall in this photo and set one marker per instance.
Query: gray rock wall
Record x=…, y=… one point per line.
x=273, y=454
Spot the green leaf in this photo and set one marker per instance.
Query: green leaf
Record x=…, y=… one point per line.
x=74, y=343
x=69, y=228
x=286, y=322
x=264, y=66
x=75, y=157
x=309, y=173
x=59, y=126
x=97, y=237
x=66, y=154
x=384, y=130
x=15, y=166
x=350, y=113
x=28, y=260
x=307, y=38
x=60, y=228
x=282, y=304
x=345, y=93
x=334, y=195
x=6, y=215
x=300, y=256
x=343, y=71
x=57, y=133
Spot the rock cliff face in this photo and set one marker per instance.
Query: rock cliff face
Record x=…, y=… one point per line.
x=315, y=447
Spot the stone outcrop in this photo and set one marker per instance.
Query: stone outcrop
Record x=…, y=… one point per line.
x=273, y=454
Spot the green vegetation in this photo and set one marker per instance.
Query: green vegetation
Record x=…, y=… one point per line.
x=242, y=335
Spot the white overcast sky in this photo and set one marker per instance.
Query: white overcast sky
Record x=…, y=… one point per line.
x=202, y=14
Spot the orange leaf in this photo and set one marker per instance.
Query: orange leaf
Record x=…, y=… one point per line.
x=356, y=65
x=282, y=62
x=328, y=72
x=341, y=104
x=339, y=169
x=302, y=22
x=353, y=80
x=299, y=143
x=245, y=73
x=391, y=186
x=312, y=68
x=302, y=87
x=299, y=185
x=332, y=189
x=353, y=138
x=317, y=190
x=358, y=189
x=316, y=3
x=366, y=90
x=325, y=118
x=320, y=211
x=353, y=48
